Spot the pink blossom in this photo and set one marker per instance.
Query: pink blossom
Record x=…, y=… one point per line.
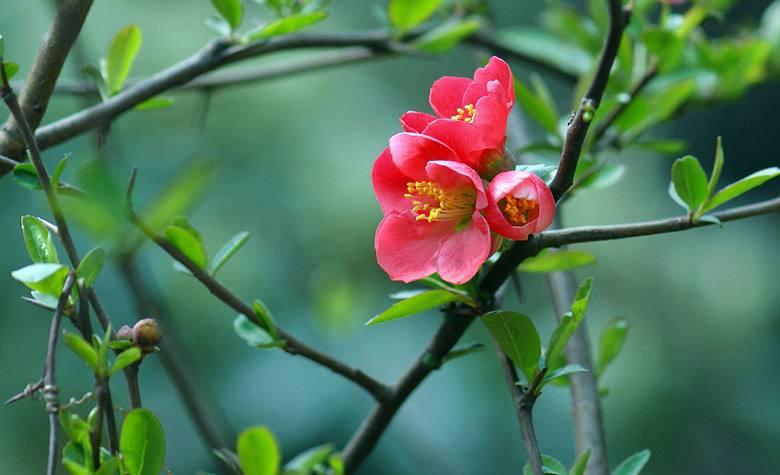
x=519, y=204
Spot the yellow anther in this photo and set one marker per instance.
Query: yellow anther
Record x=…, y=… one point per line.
x=518, y=210
x=465, y=113
x=430, y=202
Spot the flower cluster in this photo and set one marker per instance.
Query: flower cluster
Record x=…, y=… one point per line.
x=448, y=191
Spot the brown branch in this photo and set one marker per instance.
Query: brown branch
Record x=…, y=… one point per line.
x=50, y=390
x=45, y=70
x=292, y=345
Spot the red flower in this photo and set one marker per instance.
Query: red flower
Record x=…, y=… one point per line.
x=472, y=115
x=432, y=204
x=520, y=204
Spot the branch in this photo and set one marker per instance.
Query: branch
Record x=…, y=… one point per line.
x=50, y=389
x=562, y=237
x=579, y=124
x=292, y=344
x=204, y=411
x=45, y=70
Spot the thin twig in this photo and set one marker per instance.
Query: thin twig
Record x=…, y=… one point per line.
x=607, y=122
x=96, y=434
x=204, y=411
x=46, y=68
x=29, y=391
x=50, y=390
x=292, y=344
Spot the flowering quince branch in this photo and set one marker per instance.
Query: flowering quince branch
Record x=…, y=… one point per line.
x=291, y=344
x=50, y=390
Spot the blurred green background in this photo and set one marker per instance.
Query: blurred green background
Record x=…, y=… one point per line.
x=290, y=162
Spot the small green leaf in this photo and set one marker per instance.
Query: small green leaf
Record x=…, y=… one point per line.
x=336, y=464
x=227, y=251
x=258, y=452
x=661, y=146
x=91, y=265
x=611, y=342
x=690, y=182
x=231, y=10
x=550, y=466
x=564, y=371
x=58, y=170
x=580, y=464
x=537, y=108
x=447, y=35
x=121, y=54
x=109, y=466
x=286, y=25
x=120, y=344
x=25, y=175
x=97, y=76
x=545, y=172
x=253, y=334
x=188, y=242
x=556, y=261
x=82, y=348
x=304, y=463
x=266, y=319
x=38, y=241
x=740, y=187
x=45, y=278
x=569, y=323
x=125, y=359
x=547, y=48
x=416, y=304
x=404, y=15
x=154, y=103
x=634, y=464
x=74, y=468
x=142, y=443
x=11, y=69
x=516, y=335
x=717, y=166
x=464, y=351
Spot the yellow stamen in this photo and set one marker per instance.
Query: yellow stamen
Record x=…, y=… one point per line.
x=518, y=210
x=431, y=202
x=465, y=113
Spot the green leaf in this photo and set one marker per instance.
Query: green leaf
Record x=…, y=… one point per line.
x=611, y=343
x=227, y=251
x=666, y=146
x=545, y=172
x=58, y=170
x=258, y=452
x=547, y=49
x=266, y=319
x=121, y=54
x=464, y=351
x=25, y=175
x=564, y=371
x=142, y=443
x=10, y=68
x=125, y=359
x=253, y=334
x=97, y=76
x=549, y=466
x=516, y=335
x=404, y=15
x=74, y=468
x=82, y=348
x=286, y=25
x=154, y=103
x=690, y=182
x=634, y=464
x=120, y=344
x=416, y=304
x=45, y=278
x=91, y=265
x=569, y=323
x=231, y=10
x=38, y=241
x=654, y=106
x=109, y=466
x=304, y=463
x=188, y=242
x=179, y=196
x=537, y=108
x=447, y=35
x=580, y=464
x=336, y=464
x=740, y=187
x=717, y=166
x=556, y=261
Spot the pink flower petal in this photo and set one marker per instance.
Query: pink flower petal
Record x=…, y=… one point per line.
x=407, y=249
x=447, y=95
x=389, y=184
x=416, y=121
x=411, y=152
x=498, y=70
x=455, y=174
x=464, y=251
x=520, y=185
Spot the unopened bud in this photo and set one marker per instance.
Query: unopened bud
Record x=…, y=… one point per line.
x=124, y=333
x=146, y=334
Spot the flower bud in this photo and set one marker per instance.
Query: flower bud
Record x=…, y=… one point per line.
x=124, y=333
x=146, y=334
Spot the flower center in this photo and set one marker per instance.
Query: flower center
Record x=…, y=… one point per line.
x=519, y=211
x=431, y=202
x=465, y=113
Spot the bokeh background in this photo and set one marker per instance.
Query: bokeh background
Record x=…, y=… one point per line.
x=290, y=162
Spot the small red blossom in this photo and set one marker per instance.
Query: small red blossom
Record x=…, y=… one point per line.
x=471, y=116
x=433, y=206
x=520, y=204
